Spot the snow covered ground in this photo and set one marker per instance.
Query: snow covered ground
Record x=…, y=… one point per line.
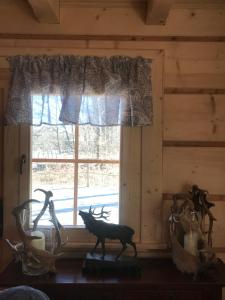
x=87, y=196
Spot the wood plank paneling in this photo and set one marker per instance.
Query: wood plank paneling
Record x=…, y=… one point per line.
x=219, y=224
x=200, y=81
x=193, y=144
x=189, y=66
x=130, y=189
x=174, y=50
x=152, y=164
x=183, y=167
x=1, y=140
x=194, y=65
x=11, y=179
x=212, y=197
x=129, y=21
x=194, y=117
x=1, y=159
x=180, y=50
x=192, y=91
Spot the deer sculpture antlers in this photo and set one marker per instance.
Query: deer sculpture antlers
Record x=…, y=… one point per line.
x=102, y=215
x=24, y=250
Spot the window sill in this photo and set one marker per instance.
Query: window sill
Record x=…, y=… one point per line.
x=78, y=250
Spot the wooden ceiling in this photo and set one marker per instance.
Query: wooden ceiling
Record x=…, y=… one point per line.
x=157, y=11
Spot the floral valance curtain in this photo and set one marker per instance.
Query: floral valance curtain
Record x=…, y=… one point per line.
x=80, y=90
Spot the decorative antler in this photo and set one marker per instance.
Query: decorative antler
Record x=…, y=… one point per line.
x=17, y=214
x=57, y=226
x=48, y=195
x=34, y=257
x=202, y=205
x=101, y=214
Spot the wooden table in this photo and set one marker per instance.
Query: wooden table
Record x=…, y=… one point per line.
x=159, y=280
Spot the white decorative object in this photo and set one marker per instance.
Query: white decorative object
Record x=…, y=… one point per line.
x=191, y=242
x=36, y=260
x=38, y=243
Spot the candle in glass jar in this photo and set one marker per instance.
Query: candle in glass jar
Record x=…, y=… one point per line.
x=38, y=243
x=191, y=242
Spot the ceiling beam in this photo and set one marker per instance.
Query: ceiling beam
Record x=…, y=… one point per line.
x=46, y=11
x=158, y=11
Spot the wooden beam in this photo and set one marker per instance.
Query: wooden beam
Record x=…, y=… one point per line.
x=194, y=91
x=216, y=144
x=126, y=38
x=45, y=11
x=158, y=11
x=219, y=197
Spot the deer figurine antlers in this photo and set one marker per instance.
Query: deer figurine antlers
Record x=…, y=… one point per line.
x=38, y=260
x=102, y=215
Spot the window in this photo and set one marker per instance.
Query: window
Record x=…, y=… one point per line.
x=80, y=165
x=138, y=165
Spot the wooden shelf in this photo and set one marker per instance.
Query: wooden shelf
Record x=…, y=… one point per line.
x=159, y=280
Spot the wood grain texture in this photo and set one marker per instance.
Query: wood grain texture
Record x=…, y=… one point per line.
x=114, y=37
x=46, y=11
x=158, y=11
x=1, y=140
x=194, y=118
x=183, y=167
x=11, y=179
x=174, y=143
x=197, y=81
x=129, y=21
x=130, y=179
x=152, y=163
x=194, y=91
x=212, y=197
x=219, y=224
x=192, y=66
x=159, y=280
x=192, y=113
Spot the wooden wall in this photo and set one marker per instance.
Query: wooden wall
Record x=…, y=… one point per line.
x=193, y=44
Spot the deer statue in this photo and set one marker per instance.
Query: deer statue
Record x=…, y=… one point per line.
x=103, y=230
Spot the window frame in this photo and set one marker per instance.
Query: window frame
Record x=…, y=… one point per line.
x=141, y=169
x=75, y=161
x=78, y=233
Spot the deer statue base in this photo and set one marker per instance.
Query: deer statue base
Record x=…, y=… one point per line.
x=124, y=265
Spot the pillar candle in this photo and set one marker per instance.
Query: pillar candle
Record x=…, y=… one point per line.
x=191, y=242
x=38, y=243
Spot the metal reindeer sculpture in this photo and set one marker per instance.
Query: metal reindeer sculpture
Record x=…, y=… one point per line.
x=103, y=230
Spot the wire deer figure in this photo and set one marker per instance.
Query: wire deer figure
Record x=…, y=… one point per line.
x=103, y=230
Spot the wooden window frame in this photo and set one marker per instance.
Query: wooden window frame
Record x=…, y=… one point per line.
x=140, y=177
x=75, y=161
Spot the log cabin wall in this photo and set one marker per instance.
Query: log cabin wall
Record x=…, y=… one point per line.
x=193, y=46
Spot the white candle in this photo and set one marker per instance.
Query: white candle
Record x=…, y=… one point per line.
x=38, y=243
x=191, y=242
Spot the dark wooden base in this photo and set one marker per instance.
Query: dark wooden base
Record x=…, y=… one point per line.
x=124, y=265
x=159, y=280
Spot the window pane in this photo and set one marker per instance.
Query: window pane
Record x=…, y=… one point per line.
x=53, y=141
x=58, y=178
x=99, y=142
x=98, y=185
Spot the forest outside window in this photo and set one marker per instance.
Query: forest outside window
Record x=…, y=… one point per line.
x=80, y=165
